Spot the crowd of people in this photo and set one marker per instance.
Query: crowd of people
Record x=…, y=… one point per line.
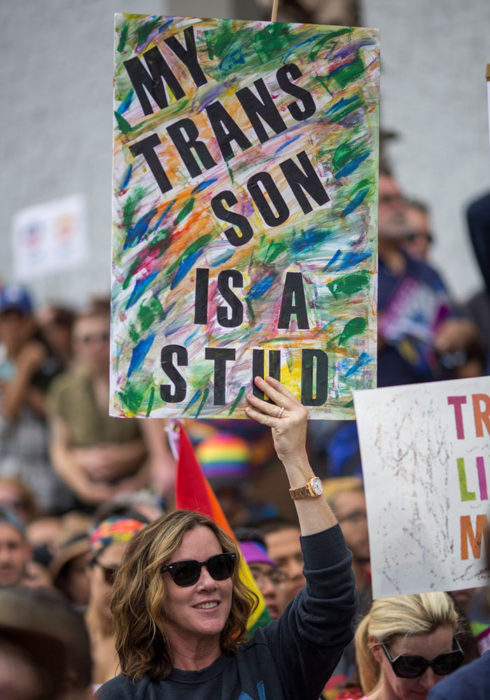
x=103, y=584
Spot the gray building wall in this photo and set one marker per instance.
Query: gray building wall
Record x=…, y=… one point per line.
x=433, y=93
x=56, y=135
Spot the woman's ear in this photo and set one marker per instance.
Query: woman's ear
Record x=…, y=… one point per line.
x=376, y=649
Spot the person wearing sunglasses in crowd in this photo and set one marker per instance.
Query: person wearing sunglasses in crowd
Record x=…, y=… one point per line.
x=405, y=645
x=180, y=608
x=108, y=543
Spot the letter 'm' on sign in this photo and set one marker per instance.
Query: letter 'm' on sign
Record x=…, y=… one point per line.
x=474, y=539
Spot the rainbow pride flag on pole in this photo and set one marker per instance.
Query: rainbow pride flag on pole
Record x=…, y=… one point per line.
x=193, y=492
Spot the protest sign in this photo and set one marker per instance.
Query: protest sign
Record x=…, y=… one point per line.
x=49, y=237
x=425, y=452
x=244, y=214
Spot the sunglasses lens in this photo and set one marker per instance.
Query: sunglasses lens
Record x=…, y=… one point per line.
x=185, y=573
x=407, y=666
x=221, y=566
x=447, y=663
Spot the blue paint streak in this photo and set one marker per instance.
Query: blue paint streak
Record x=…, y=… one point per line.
x=126, y=102
x=261, y=288
x=285, y=145
x=126, y=177
x=332, y=260
x=234, y=58
x=202, y=186
x=341, y=104
x=140, y=351
x=164, y=214
x=363, y=360
x=191, y=337
x=309, y=240
x=137, y=232
x=353, y=165
x=358, y=199
x=351, y=259
x=139, y=289
x=301, y=43
x=193, y=400
x=222, y=259
x=185, y=266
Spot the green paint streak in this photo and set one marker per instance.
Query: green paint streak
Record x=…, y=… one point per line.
x=272, y=250
x=203, y=401
x=463, y=486
x=186, y=209
x=237, y=400
x=320, y=43
x=324, y=83
x=123, y=37
x=230, y=173
x=124, y=126
x=347, y=151
x=355, y=326
x=349, y=73
x=250, y=309
x=148, y=313
x=347, y=109
x=133, y=396
x=130, y=206
x=150, y=401
x=273, y=40
x=144, y=30
x=349, y=284
x=132, y=269
x=133, y=333
x=219, y=40
x=349, y=404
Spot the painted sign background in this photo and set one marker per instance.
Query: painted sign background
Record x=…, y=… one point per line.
x=244, y=214
x=425, y=452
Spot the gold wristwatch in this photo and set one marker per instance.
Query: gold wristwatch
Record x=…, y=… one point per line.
x=312, y=489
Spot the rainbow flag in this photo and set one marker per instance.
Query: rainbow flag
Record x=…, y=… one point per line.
x=193, y=492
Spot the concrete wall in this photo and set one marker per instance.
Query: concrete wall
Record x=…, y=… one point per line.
x=56, y=129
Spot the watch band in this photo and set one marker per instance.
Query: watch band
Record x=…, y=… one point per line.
x=312, y=489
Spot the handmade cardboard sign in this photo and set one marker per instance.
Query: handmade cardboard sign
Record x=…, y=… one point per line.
x=425, y=452
x=244, y=214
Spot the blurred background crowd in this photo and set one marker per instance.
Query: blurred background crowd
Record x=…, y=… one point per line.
x=75, y=484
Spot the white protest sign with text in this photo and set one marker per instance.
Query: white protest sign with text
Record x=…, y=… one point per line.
x=426, y=462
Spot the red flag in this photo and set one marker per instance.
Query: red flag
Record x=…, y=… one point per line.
x=193, y=492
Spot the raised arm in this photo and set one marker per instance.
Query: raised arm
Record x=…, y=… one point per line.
x=287, y=419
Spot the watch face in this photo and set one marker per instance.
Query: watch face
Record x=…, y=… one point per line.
x=317, y=486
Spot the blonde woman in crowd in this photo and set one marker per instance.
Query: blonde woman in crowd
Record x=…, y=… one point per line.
x=405, y=645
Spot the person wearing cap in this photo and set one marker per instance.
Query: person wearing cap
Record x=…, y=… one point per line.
x=27, y=367
x=15, y=551
x=108, y=544
x=268, y=577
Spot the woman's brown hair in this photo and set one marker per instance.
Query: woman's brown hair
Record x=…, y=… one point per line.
x=138, y=601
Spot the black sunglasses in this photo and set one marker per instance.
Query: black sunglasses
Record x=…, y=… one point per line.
x=188, y=571
x=108, y=572
x=412, y=666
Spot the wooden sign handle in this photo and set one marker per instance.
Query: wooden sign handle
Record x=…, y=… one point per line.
x=275, y=5
x=488, y=72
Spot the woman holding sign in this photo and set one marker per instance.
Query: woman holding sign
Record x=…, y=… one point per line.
x=180, y=608
x=405, y=645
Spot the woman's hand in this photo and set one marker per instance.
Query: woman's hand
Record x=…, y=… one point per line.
x=286, y=417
